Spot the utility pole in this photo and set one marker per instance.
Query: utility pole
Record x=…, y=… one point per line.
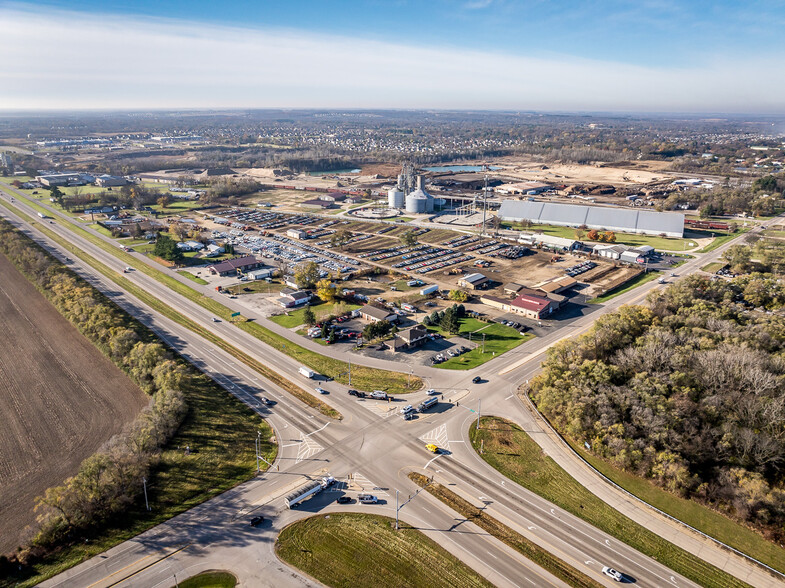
x=479, y=406
x=483, y=342
x=396, y=509
x=258, y=434
x=144, y=484
x=411, y=497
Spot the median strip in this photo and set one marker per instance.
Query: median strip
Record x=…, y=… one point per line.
x=505, y=534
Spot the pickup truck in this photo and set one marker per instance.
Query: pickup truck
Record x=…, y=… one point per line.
x=367, y=499
x=379, y=395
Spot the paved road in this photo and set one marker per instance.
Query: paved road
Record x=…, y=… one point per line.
x=354, y=446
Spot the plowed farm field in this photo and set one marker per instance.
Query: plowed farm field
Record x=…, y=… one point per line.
x=60, y=399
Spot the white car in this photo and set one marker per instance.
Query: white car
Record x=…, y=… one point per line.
x=432, y=392
x=611, y=573
x=322, y=391
x=407, y=409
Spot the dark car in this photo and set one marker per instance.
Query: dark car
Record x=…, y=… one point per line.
x=476, y=380
x=344, y=499
x=256, y=521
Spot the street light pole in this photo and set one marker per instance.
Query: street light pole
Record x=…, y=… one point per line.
x=258, y=434
x=396, y=509
x=479, y=406
x=144, y=484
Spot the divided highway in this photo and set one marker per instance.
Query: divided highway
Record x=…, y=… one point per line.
x=372, y=449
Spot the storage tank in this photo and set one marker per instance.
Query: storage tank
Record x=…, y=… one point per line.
x=423, y=195
x=417, y=202
x=395, y=198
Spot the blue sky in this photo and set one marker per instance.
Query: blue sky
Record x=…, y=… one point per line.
x=712, y=56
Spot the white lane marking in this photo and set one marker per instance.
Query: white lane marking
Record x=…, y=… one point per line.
x=493, y=556
x=317, y=430
x=510, y=396
x=431, y=461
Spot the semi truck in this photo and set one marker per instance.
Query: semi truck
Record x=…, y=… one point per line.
x=42, y=215
x=428, y=403
x=308, y=373
x=303, y=492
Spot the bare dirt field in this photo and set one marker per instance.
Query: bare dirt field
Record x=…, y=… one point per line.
x=60, y=399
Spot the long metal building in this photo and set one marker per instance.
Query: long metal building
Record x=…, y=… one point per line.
x=622, y=220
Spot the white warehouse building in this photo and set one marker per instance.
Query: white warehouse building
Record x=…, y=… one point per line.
x=625, y=220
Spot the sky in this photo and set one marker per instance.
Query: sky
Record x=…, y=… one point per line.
x=593, y=55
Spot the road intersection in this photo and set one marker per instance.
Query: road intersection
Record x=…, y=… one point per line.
x=373, y=448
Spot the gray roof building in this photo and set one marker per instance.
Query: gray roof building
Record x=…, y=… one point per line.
x=595, y=217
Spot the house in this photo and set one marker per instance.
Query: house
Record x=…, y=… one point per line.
x=374, y=314
x=474, y=281
x=410, y=338
x=190, y=246
x=295, y=299
x=234, y=266
x=512, y=288
x=296, y=234
x=214, y=250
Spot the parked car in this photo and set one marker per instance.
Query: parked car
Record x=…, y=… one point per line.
x=256, y=521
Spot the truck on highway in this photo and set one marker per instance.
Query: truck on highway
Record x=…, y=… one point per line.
x=428, y=403
x=42, y=215
x=305, y=491
x=308, y=373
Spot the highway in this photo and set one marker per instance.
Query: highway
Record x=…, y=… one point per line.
x=374, y=445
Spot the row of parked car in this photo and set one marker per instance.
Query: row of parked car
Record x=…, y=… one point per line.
x=449, y=353
x=580, y=268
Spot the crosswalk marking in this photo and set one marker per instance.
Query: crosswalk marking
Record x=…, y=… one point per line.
x=366, y=485
x=308, y=447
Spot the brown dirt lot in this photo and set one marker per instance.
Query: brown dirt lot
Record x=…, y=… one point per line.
x=59, y=396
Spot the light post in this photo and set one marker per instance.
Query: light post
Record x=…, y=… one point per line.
x=479, y=406
x=258, y=435
x=144, y=484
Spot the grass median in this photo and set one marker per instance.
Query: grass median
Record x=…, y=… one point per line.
x=363, y=378
x=502, y=532
x=355, y=549
x=508, y=449
x=210, y=580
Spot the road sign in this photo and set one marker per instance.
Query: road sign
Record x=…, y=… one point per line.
x=235, y=314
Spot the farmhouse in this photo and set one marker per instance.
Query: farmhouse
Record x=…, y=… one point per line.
x=234, y=266
x=374, y=314
x=625, y=220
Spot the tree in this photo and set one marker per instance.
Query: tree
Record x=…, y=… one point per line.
x=166, y=248
x=458, y=295
x=593, y=235
x=340, y=238
x=738, y=256
x=180, y=230
x=579, y=234
x=325, y=290
x=56, y=195
x=609, y=237
x=309, y=318
x=409, y=238
x=307, y=275
x=449, y=321
x=164, y=201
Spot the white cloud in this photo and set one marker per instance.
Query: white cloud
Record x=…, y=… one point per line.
x=79, y=60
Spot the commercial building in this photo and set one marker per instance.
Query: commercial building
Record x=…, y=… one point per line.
x=107, y=181
x=623, y=252
x=296, y=234
x=558, y=285
x=260, y=274
x=294, y=299
x=473, y=282
x=410, y=338
x=375, y=314
x=234, y=266
x=527, y=305
x=64, y=179
x=670, y=224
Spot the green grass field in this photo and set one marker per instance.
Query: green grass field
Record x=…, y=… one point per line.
x=721, y=240
x=344, y=550
x=693, y=513
x=713, y=266
x=626, y=287
x=498, y=339
x=178, y=206
x=294, y=318
x=194, y=278
x=210, y=580
x=510, y=450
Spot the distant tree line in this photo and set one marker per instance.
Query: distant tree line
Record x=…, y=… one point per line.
x=109, y=481
x=689, y=392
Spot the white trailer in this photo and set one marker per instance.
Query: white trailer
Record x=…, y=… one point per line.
x=429, y=290
x=308, y=373
x=303, y=492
